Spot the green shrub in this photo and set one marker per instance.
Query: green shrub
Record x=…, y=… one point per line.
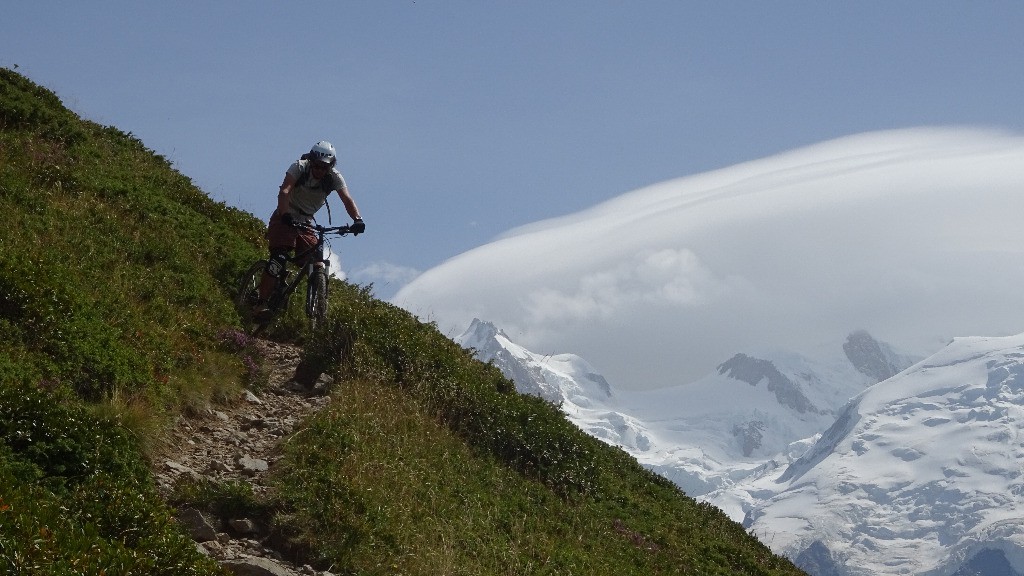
x=61, y=441
x=24, y=104
x=76, y=497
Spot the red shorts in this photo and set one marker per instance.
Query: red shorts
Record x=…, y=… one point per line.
x=284, y=238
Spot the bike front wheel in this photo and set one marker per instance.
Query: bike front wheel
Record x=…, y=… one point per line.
x=316, y=299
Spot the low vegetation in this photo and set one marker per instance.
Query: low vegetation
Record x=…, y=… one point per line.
x=116, y=277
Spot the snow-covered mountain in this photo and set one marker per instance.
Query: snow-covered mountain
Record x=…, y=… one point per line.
x=753, y=412
x=920, y=474
x=705, y=435
x=556, y=378
x=566, y=379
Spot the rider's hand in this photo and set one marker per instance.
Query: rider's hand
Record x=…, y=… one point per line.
x=358, y=227
x=286, y=219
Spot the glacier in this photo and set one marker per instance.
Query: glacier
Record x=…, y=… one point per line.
x=859, y=461
x=919, y=474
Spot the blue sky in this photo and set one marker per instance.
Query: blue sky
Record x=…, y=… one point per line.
x=456, y=120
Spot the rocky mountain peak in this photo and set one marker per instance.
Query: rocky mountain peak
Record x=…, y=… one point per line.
x=870, y=357
x=755, y=370
x=481, y=334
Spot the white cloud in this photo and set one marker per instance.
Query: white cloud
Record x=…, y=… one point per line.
x=668, y=276
x=385, y=276
x=913, y=235
x=335, y=265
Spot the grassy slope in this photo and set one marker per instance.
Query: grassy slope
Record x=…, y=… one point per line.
x=115, y=281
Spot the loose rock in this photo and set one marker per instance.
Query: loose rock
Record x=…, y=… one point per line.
x=244, y=433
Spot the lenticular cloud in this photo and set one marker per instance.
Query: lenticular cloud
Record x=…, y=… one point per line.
x=913, y=235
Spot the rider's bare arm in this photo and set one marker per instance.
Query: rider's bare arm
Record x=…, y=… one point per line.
x=282, y=195
x=350, y=204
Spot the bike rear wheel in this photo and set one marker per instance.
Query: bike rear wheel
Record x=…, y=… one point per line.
x=249, y=296
x=316, y=299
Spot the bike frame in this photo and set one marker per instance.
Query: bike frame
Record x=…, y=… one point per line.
x=285, y=287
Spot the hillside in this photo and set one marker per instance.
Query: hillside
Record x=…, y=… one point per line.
x=116, y=277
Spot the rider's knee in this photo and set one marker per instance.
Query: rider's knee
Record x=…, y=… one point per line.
x=276, y=264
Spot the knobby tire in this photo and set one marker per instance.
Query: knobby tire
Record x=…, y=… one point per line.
x=248, y=296
x=317, y=299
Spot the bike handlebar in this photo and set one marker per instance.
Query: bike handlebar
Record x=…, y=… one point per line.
x=340, y=230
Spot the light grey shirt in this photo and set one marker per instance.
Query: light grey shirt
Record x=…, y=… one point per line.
x=308, y=197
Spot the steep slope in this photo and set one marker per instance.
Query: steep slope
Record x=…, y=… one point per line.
x=423, y=461
x=114, y=284
x=115, y=268
x=920, y=474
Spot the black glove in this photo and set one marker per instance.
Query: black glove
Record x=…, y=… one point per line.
x=358, y=227
x=286, y=219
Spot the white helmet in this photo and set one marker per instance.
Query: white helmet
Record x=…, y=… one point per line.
x=324, y=152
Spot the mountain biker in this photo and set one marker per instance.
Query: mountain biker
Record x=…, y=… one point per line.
x=306, y=186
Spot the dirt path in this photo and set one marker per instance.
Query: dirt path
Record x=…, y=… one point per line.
x=238, y=443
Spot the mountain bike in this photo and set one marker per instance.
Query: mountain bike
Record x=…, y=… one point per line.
x=315, y=271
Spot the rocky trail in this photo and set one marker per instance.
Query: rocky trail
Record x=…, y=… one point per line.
x=238, y=443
